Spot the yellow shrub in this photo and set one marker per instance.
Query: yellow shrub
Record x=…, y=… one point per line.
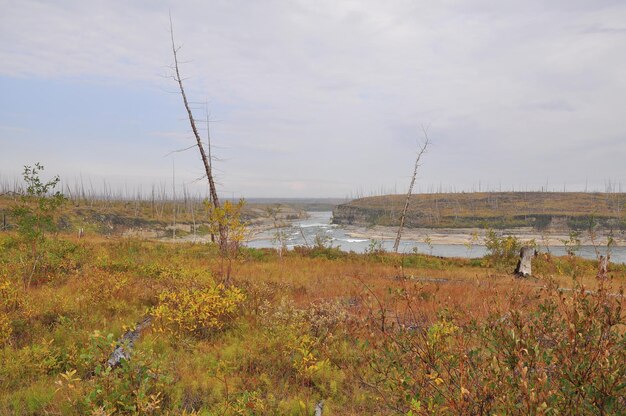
x=196, y=311
x=440, y=332
x=303, y=361
x=102, y=287
x=12, y=304
x=5, y=328
x=11, y=297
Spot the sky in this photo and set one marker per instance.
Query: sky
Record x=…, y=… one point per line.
x=325, y=98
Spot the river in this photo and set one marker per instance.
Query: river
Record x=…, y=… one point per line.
x=318, y=227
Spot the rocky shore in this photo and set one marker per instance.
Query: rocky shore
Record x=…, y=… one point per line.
x=477, y=235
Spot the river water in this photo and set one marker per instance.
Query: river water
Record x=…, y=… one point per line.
x=318, y=227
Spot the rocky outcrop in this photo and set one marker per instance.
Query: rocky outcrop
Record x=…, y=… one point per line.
x=353, y=215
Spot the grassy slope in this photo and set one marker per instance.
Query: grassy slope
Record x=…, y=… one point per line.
x=115, y=217
x=503, y=208
x=368, y=334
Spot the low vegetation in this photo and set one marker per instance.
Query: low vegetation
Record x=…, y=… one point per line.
x=371, y=333
x=198, y=329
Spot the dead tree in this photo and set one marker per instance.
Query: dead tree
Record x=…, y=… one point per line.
x=223, y=233
x=524, y=265
x=208, y=137
x=421, y=151
x=603, y=267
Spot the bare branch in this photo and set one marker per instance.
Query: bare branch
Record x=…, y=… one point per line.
x=180, y=150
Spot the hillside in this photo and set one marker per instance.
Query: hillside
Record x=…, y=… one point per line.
x=540, y=210
x=157, y=218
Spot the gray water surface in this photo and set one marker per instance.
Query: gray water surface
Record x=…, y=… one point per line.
x=318, y=226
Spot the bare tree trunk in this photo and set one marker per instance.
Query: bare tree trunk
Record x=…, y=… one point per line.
x=421, y=151
x=193, y=219
x=208, y=136
x=205, y=160
x=524, y=265
x=174, y=200
x=603, y=267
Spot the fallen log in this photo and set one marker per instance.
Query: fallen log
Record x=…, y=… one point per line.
x=319, y=408
x=125, y=344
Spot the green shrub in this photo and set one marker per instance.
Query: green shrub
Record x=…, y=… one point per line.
x=35, y=214
x=565, y=355
x=502, y=251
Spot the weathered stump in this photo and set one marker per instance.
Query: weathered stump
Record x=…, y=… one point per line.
x=524, y=265
x=603, y=267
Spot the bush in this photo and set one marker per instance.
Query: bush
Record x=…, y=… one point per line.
x=196, y=311
x=5, y=328
x=13, y=308
x=36, y=215
x=565, y=355
x=502, y=251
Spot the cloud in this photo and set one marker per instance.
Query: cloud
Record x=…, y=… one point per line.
x=338, y=90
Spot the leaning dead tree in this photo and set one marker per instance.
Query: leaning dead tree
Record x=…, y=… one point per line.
x=223, y=233
x=421, y=151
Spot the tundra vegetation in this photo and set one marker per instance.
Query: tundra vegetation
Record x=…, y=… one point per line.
x=571, y=211
x=373, y=333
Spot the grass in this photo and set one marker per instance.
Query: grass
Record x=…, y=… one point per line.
x=366, y=333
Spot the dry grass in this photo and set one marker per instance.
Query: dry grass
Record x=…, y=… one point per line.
x=312, y=325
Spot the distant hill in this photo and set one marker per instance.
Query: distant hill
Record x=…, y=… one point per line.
x=540, y=210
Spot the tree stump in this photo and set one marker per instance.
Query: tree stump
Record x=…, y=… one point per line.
x=524, y=265
x=603, y=267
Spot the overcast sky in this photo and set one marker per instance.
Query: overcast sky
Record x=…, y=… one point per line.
x=318, y=98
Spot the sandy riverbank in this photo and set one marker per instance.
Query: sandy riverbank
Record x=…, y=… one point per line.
x=477, y=235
